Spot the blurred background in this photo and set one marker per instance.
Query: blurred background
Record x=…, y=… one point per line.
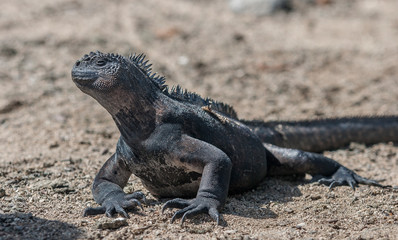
x=270, y=59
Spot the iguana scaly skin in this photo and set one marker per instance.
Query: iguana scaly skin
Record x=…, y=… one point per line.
x=183, y=146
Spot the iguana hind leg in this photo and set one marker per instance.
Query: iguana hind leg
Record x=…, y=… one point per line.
x=286, y=161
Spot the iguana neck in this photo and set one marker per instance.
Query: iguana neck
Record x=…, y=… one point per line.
x=136, y=121
x=134, y=111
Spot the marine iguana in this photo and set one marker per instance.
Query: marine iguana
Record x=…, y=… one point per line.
x=182, y=145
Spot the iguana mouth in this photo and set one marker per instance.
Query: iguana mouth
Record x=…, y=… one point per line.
x=84, y=77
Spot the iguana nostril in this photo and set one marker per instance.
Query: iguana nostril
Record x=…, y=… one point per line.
x=77, y=63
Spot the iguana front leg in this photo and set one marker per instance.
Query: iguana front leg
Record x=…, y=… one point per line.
x=108, y=189
x=215, y=166
x=286, y=161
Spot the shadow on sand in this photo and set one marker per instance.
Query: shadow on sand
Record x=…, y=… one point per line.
x=255, y=203
x=26, y=226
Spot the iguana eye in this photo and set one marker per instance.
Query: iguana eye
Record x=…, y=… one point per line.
x=101, y=63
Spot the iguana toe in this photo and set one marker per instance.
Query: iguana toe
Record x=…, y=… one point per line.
x=175, y=203
x=93, y=211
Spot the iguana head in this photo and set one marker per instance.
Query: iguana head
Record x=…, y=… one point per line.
x=97, y=72
x=115, y=81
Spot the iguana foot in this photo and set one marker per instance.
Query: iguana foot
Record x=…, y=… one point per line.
x=117, y=202
x=193, y=207
x=346, y=177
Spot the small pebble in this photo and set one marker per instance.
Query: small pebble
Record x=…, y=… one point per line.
x=300, y=225
x=260, y=7
x=110, y=223
x=230, y=231
x=316, y=197
x=2, y=192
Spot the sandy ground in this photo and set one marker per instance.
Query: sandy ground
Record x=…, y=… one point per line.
x=325, y=60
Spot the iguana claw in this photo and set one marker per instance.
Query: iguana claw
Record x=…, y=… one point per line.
x=117, y=203
x=193, y=207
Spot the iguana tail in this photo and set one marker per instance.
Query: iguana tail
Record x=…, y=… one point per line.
x=326, y=134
